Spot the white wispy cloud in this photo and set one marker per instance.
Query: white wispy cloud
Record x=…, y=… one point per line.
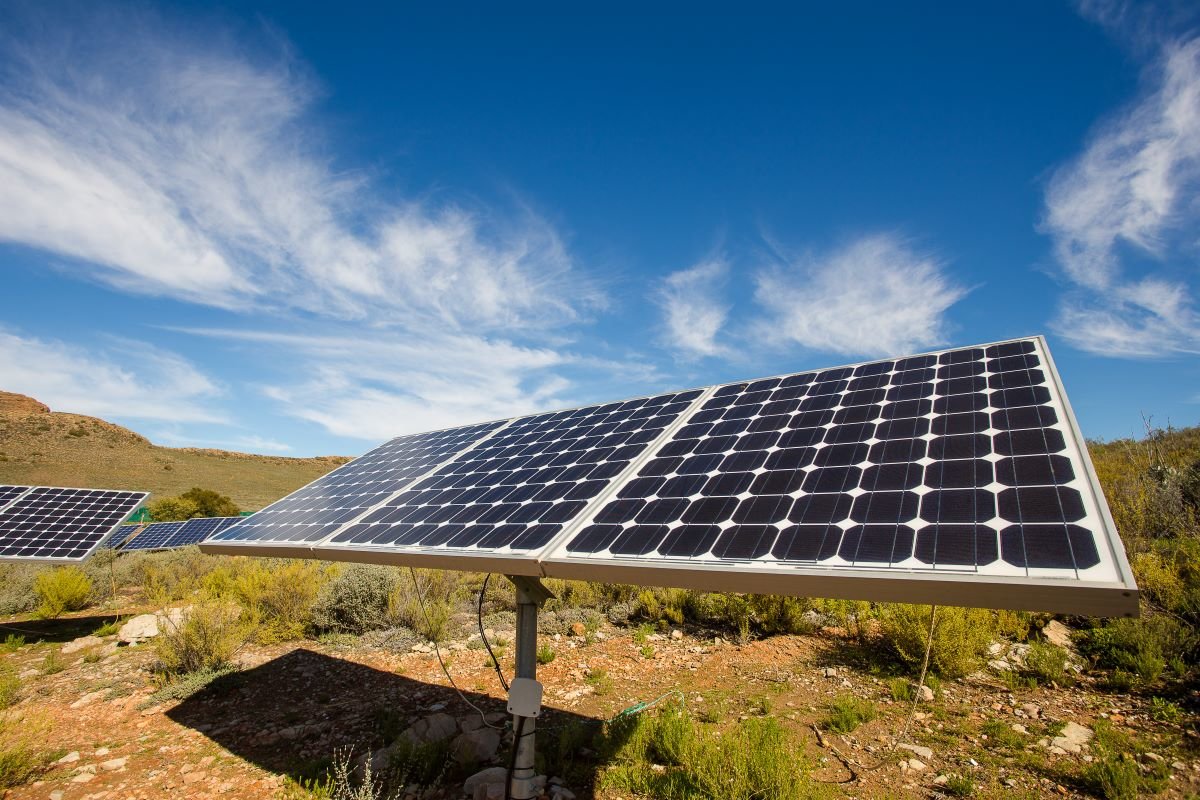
x=877, y=295
x=385, y=385
x=241, y=444
x=1123, y=215
x=693, y=310
x=121, y=380
x=174, y=164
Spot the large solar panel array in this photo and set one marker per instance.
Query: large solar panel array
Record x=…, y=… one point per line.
x=45, y=523
x=123, y=534
x=169, y=535
x=957, y=476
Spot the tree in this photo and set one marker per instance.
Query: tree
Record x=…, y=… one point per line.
x=171, y=509
x=210, y=503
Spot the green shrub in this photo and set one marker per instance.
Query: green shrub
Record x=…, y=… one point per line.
x=52, y=664
x=173, y=509
x=61, y=590
x=960, y=636
x=356, y=600
x=1161, y=710
x=846, y=713
x=207, y=639
x=14, y=642
x=1113, y=776
x=545, y=654
x=902, y=690
x=277, y=595
x=1139, y=647
x=195, y=502
x=1048, y=662
x=1000, y=734
x=666, y=755
x=429, y=611
x=10, y=685
x=959, y=786
x=600, y=681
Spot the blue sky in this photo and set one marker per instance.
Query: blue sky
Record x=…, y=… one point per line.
x=272, y=228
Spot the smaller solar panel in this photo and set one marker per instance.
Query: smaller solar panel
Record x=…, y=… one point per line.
x=10, y=493
x=154, y=537
x=197, y=530
x=122, y=535
x=47, y=523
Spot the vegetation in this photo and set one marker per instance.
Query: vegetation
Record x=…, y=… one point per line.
x=195, y=502
x=846, y=713
x=10, y=685
x=667, y=755
x=61, y=590
x=207, y=639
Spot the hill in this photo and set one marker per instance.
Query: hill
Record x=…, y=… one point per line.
x=43, y=447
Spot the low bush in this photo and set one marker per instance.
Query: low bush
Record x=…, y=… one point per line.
x=960, y=636
x=846, y=713
x=60, y=590
x=10, y=686
x=355, y=600
x=1048, y=663
x=1138, y=647
x=206, y=639
x=17, y=595
x=277, y=595
x=667, y=755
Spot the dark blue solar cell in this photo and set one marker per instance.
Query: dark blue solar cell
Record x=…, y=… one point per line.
x=811, y=419
x=798, y=380
x=801, y=437
x=960, y=386
x=960, y=356
x=961, y=370
x=842, y=434
x=952, y=424
x=882, y=544
x=763, y=509
x=874, y=368
x=1034, y=441
x=741, y=462
x=912, y=376
x=820, y=402
x=728, y=483
x=957, y=545
x=960, y=446
x=958, y=505
x=857, y=414
x=791, y=458
x=960, y=403
x=717, y=444
x=907, y=408
x=1034, y=471
x=621, y=510
x=731, y=389
x=683, y=486
x=660, y=466
x=1049, y=546
x=832, y=479
x=757, y=441
x=594, y=538
x=910, y=391
x=821, y=509
x=904, y=428
x=745, y=541
x=1009, y=349
x=841, y=455
x=784, y=481
x=660, y=512
x=885, y=507
x=886, y=477
x=1026, y=417
x=790, y=393
x=740, y=412
x=892, y=450
x=1015, y=380
x=689, y=540
x=869, y=382
x=765, y=383
x=778, y=407
x=775, y=422
x=835, y=374
x=864, y=397
x=1026, y=396
x=752, y=398
x=1041, y=504
x=641, y=487
x=807, y=543
x=731, y=427
x=958, y=474
x=700, y=464
x=709, y=510
x=639, y=540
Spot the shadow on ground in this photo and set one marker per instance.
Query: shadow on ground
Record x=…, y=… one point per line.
x=290, y=716
x=62, y=629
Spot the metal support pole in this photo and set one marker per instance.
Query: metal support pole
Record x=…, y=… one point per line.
x=530, y=596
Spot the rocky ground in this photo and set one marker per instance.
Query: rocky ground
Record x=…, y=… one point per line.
x=290, y=706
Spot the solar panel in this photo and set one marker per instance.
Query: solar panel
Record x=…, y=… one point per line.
x=122, y=535
x=44, y=523
x=197, y=530
x=10, y=493
x=956, y=477
x=154, y=536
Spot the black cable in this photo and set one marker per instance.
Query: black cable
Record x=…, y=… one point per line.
x=482, y=635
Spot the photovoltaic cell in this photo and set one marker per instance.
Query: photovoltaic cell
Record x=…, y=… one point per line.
x=197, y=530
x=53, y=523
x=10, y=493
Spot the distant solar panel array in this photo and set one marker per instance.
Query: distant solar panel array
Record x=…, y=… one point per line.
x=170, y=535
x=957, y=476
x=45, y=523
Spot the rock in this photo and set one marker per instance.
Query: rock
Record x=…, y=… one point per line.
x=578, y=629
x=916, y=749
x=995, y=649
x=916, y=766
x=1031, y=710
x=476, y=747
x=941, y=780
x=138, y=629
x=89, y=698
x=1178, y=765
x=1058, y=634
x=677, y=634
x=69, y=758
x=194, y=777
x=1154, y=757
x=434, y=728
x=114, y=764
x=1019, y=728
x=830, y=672
x=102, y=751
x=562, y=792
x=491, y=775
x=57, y=794
x=999, y=665
x=82, y=643
x=1072, y=738
x=925, y=694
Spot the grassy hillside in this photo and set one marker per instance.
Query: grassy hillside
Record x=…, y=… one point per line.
x=39, y=446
